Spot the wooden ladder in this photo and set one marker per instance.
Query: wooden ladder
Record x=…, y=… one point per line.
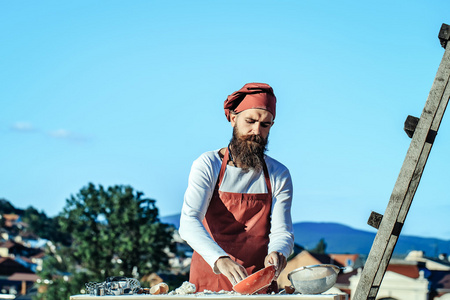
x=423, y=131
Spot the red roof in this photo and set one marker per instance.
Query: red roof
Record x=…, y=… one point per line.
x=411, y=271
x=343, y=258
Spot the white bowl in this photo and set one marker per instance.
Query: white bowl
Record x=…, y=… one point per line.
x=314, y=279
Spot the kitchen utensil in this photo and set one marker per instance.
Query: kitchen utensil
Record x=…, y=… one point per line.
x=114, y=285
x=255, y=282
x=314, y=279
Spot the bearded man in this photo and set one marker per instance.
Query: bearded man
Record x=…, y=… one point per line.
x=236, y=213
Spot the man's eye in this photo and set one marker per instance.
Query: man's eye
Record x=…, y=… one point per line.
x=265, y=125
x=250, y=121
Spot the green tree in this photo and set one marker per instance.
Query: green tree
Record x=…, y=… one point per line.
x=6, y=207
x=320, y=247
x=114, y=232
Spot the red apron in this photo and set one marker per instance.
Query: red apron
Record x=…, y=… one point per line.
x=240, y=224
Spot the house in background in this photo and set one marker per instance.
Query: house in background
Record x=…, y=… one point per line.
x=8, y=267
x=437, y=271
x=403, y=280
x=441, y=263
x=12, y=248
x=414, y=278
x=24, y=280
x=349, y=261
x=18, y=259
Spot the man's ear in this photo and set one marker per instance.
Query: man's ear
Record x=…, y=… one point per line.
x=233, y=118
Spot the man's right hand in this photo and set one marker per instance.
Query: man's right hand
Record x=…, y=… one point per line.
x=231, y=269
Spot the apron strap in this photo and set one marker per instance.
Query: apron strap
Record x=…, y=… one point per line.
x=266, y=176
x=223, y=167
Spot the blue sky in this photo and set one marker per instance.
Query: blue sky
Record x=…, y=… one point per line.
x=131, y=92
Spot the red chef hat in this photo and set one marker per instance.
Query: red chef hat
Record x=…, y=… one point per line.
x=251, y=95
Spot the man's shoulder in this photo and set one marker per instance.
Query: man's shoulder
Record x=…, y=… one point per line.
x=274, y=166
x=209, y=157
x=273, y=161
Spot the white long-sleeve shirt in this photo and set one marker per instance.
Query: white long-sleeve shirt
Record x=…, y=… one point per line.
x=202, y=181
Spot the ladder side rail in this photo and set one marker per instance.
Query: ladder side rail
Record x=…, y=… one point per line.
x=411, y=191
x=408, y=173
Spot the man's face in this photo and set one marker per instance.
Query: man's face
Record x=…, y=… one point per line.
x=250, y=133
x=253, y=121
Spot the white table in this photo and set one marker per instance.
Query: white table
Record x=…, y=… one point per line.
x=213, y=297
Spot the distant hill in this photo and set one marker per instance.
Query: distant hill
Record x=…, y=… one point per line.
x=344, y=239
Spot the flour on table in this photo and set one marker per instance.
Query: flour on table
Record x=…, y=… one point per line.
x=222, y=292
x=189, y=288
x=184, y=289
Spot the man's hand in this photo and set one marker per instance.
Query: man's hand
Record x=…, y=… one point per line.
x=276, y=259
x=231, y=269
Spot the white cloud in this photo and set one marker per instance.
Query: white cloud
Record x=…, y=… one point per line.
x=67, y=135
x=61, y=134
x=23, y=126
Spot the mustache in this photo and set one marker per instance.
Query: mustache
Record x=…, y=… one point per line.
x=253, y=138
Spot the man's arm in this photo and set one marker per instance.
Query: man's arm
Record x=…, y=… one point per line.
x=202, y=180
x=281, y=232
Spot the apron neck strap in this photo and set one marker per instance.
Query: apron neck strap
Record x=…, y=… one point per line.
x=267, y=178
x=225, y=159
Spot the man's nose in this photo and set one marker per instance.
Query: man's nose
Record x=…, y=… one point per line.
x=256, y=130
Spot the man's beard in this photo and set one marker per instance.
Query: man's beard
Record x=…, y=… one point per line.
x=248, y=150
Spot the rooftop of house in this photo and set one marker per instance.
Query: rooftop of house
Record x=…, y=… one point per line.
x=9, y=266
x=408, y=270
x=23, y=277
x=344, y=258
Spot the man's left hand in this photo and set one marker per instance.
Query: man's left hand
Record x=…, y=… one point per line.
x=276, y=259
